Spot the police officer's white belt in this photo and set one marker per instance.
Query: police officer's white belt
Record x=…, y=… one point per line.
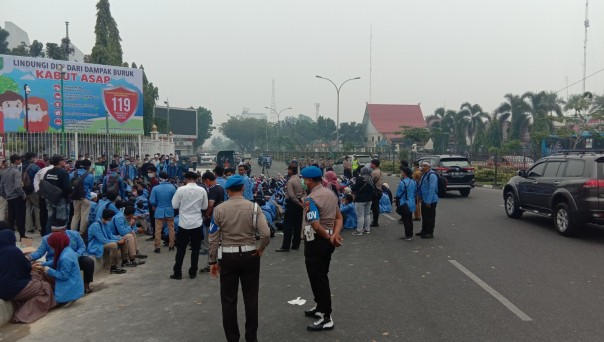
x=238, y=249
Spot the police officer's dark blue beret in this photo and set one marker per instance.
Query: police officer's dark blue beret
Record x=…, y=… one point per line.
x=233, y=181
x=311, y=172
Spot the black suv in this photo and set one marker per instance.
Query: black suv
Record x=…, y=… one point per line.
x=456, y=169
x=566, y=186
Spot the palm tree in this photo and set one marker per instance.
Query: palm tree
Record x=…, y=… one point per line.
x=457, y=123
x=478, y=120
x=541, y=105
x=439, y=130
x=514, y=110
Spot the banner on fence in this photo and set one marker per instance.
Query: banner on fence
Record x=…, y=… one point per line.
x=80, y=103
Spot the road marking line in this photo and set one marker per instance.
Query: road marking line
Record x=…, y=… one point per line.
x=390, y=217
x=513, y=308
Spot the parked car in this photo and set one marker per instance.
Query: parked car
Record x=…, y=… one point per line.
x=569, y=187
x=518, y=162
x=206, y=159
x=264, y=159
x=456, y=169
x=363, y=159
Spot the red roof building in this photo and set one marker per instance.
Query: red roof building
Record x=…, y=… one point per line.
x=381, y=122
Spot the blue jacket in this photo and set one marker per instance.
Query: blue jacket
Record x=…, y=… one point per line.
x=75, y=242
x=128, y=171
x=98, y=236
x=385, y=204
x=121, y=185
x=405, y=193
x=92, y=212
x=248, y=190
x=172, y=171
x=118, y=225
x=88, y=181
x=69, y=284
x=351, y=215
x=222, y=182
x=270, y=212
x=428, y=188
x=102, y=205
x=161, y=199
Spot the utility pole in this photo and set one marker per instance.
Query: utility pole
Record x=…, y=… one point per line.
x=586, y=23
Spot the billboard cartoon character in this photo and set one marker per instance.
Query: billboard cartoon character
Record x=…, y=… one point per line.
x=37, y=113
x=11, y=105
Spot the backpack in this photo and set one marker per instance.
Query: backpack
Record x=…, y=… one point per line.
x=28, y=184
x=113, y=185
x=442, y=186
x=78, y=192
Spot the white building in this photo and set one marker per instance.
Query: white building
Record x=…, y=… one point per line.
x=16, y=35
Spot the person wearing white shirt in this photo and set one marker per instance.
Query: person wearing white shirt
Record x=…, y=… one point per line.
x=190, y=200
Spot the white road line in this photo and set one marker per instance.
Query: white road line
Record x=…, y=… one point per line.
x=513, y=308
x=390, y=217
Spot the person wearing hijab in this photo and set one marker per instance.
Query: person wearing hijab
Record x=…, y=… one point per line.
x=32, y=296
x=332, y=182
x=405, y=194
x=69, y=285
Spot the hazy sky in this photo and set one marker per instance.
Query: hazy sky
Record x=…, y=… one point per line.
x=223, y=54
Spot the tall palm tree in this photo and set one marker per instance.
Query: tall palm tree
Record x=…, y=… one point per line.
x=439, y=130
x=541, y=105
x=516, y=111
x=478, y=120
x=458, y=122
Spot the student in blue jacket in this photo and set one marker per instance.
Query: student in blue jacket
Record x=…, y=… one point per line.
x=428, y=192
x=406, y=194
x=161, y=202
x=69, y=286
x=101, y=241
x=76, y=243
x=107, y=203
x=385, y=204
x=121, y=225
x=349, y=212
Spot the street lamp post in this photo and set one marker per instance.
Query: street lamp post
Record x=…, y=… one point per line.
x=278, y=116
x=61, y=69
x=167, y=102
x=338, y=106
x=27, y=91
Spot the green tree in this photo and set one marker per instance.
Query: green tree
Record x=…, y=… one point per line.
x=514, y=109
x=53, y=51
x=542, y=105
x=494, y=136
x=7, y=83
x=477, y=120
x=36, y=49
x=351, y=134
x=245, y=132
x=66, y=48
x=21, y=50
x=107, y=49
x=150, y=95
x=3, y=43
x=204, y=126
x=418, y=135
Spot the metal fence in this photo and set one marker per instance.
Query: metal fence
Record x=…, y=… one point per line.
x=71, y=144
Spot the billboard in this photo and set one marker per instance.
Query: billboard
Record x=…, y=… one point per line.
x=183, y=122
x=87, y=94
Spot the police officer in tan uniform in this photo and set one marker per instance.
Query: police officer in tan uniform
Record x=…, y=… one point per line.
x=233, y=224
x=322, y=225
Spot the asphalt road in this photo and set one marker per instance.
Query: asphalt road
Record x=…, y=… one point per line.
x=484, y=277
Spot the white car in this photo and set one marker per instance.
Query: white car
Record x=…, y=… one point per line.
x=206, y=159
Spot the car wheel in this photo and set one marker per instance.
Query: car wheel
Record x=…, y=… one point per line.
x=464, y=192
x=565, y=222
x=512, y=207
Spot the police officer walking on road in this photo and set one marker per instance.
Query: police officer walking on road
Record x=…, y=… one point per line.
x=322, y=225
x=233, y=225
